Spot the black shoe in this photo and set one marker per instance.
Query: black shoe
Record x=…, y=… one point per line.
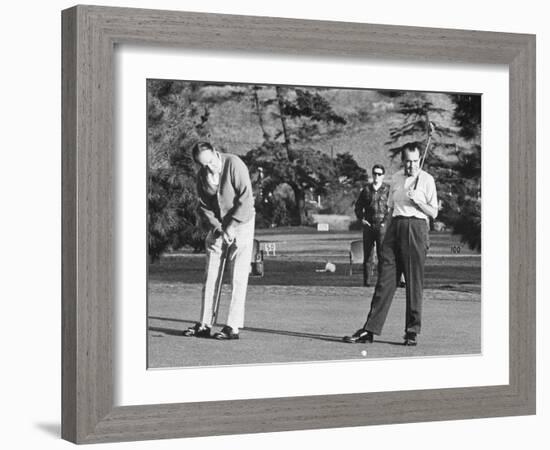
x=197, y=330
x=226, y=334
x=410, y=339
x=361, y=336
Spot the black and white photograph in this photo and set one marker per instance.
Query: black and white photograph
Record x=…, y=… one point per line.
x=275, y=225
x=306, y=223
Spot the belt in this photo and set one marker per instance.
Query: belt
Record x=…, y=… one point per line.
x=376, y=222
x=407, y=218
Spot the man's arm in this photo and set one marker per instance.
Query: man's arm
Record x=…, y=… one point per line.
x=244, y=199
x=210, y=217
x=426, y=208
x=387, y=219
x=389, y=209
x=428, y=204
x=359, y=205
x=207, y=212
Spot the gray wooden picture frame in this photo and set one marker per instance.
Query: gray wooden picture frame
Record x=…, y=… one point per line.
x=89, y=34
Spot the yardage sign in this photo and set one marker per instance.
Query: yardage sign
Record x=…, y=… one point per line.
x=270, y=248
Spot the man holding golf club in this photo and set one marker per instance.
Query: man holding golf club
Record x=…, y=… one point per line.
x=412, y=202
x=227, y=204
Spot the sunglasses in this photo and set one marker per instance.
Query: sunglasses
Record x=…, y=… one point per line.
x=378, y=173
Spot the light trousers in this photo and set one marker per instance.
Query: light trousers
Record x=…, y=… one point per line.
x=238, y=259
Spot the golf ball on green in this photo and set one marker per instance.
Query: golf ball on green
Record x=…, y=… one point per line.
x=364, y=353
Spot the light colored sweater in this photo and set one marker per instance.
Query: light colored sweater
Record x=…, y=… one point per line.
x=231, y=201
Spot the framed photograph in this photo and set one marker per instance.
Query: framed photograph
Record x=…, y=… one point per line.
x=200, y=144
x=317, y=158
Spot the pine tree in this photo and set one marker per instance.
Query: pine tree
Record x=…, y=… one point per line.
x=467, y=219
x=286, y=155
x=175, y=121
x=453, y=162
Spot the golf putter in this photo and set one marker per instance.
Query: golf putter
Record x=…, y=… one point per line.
x=219, y=282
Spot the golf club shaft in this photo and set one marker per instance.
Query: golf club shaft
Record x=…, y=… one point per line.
x=219, y=283
x=423, y=157
x=226, y=246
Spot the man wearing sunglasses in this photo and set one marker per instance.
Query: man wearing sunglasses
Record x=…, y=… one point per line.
x=371, y=209
x=227, y=205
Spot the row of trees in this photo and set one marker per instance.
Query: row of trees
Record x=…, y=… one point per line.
x=288, y=157
x=287, y=167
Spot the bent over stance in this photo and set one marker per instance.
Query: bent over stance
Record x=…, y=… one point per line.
x=227, y=204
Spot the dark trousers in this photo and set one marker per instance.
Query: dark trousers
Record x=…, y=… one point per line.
x=404, y=249
x=373, y=234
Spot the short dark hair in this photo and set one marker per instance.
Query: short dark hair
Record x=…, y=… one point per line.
x=409, y=149
x=378, y=166
x=200, y=147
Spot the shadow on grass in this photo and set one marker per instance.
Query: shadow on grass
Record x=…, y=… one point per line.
x=298, y=334
x=168, y=331
x=177, y=332
x=320, y=337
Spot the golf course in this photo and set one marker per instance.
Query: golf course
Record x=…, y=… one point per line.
x=296, y=312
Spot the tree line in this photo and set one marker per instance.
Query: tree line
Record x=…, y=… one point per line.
x=288, y=169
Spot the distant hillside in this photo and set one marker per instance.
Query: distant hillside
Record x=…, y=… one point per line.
x=233, y=124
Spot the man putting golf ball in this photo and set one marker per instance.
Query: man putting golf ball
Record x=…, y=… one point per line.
x=227, y=205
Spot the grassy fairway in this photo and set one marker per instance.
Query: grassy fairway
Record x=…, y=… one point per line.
x=297, y=314
x=300, y=253
x=298, y=323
